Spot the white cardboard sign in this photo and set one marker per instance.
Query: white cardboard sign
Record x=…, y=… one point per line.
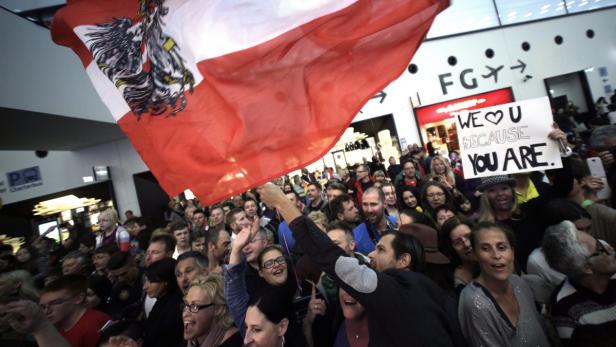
x=506, y=139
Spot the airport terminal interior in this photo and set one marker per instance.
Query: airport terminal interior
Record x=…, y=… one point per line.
x=467, y=203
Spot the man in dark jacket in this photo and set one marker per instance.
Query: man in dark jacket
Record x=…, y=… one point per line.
x=404, y=308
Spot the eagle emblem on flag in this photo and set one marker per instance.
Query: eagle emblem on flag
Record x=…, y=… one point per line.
x=144, y=63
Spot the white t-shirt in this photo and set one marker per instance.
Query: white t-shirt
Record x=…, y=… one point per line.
x=148, y=304
x=612, y=117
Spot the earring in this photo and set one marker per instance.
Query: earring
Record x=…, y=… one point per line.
x=282, y=341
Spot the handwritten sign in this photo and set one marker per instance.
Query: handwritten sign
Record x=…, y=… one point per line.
x=506, y=139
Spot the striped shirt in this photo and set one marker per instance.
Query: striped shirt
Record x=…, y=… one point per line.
x=574, y=305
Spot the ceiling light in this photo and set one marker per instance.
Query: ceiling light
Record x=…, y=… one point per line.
x=57, y=205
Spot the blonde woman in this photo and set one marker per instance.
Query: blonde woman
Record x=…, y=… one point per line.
x=206, y=316
x=440, y=171
x=110, y=232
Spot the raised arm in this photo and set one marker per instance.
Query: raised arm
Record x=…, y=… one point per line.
x=328, y=256
x=27, y=317
x=236, y=293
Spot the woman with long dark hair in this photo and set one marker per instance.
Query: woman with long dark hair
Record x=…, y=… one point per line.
x=455, y=242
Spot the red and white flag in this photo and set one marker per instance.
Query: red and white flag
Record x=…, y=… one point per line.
x=222, y=95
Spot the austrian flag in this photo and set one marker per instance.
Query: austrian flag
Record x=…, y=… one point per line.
x=223, y=95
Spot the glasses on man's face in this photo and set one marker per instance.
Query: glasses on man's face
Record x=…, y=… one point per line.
x=194, y=308
x=270, y=263
x=53, y=303
x=434, y=195
x=599, y=250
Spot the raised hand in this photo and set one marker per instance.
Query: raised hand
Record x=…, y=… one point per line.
x=242, y=239
x=24, y=316
x=316, y=307
x=271, y=195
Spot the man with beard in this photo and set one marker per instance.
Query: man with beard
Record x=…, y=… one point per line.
x=368, y=233
x=345, y=210
x=315, y=198
x=217, y=244
x=424, y=315
x=334, y=190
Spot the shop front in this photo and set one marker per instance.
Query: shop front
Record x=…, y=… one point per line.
x=63, y=210
x=436, y=122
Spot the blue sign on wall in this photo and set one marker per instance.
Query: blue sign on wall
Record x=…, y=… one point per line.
x=24, y=178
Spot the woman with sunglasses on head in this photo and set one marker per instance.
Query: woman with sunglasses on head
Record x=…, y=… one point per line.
x=207, y=320
x=273, y=268
x=498, y=307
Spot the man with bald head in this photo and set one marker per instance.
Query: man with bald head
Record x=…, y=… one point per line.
x=368, y=233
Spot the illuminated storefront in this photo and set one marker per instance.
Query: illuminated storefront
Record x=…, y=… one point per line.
x=437, y=125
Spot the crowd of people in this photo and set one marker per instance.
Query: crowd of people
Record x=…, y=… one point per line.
x=405, y=254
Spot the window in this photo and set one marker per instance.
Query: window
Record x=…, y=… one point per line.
x=574, y=6
x=470, y=15
x=516, y=11
x=463, y=16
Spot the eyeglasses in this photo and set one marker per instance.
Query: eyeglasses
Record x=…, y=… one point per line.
x=270, y=263
x=52, y=303
x=255, y=240
x=194, y=308
x=434, y=195
x=599, y=249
